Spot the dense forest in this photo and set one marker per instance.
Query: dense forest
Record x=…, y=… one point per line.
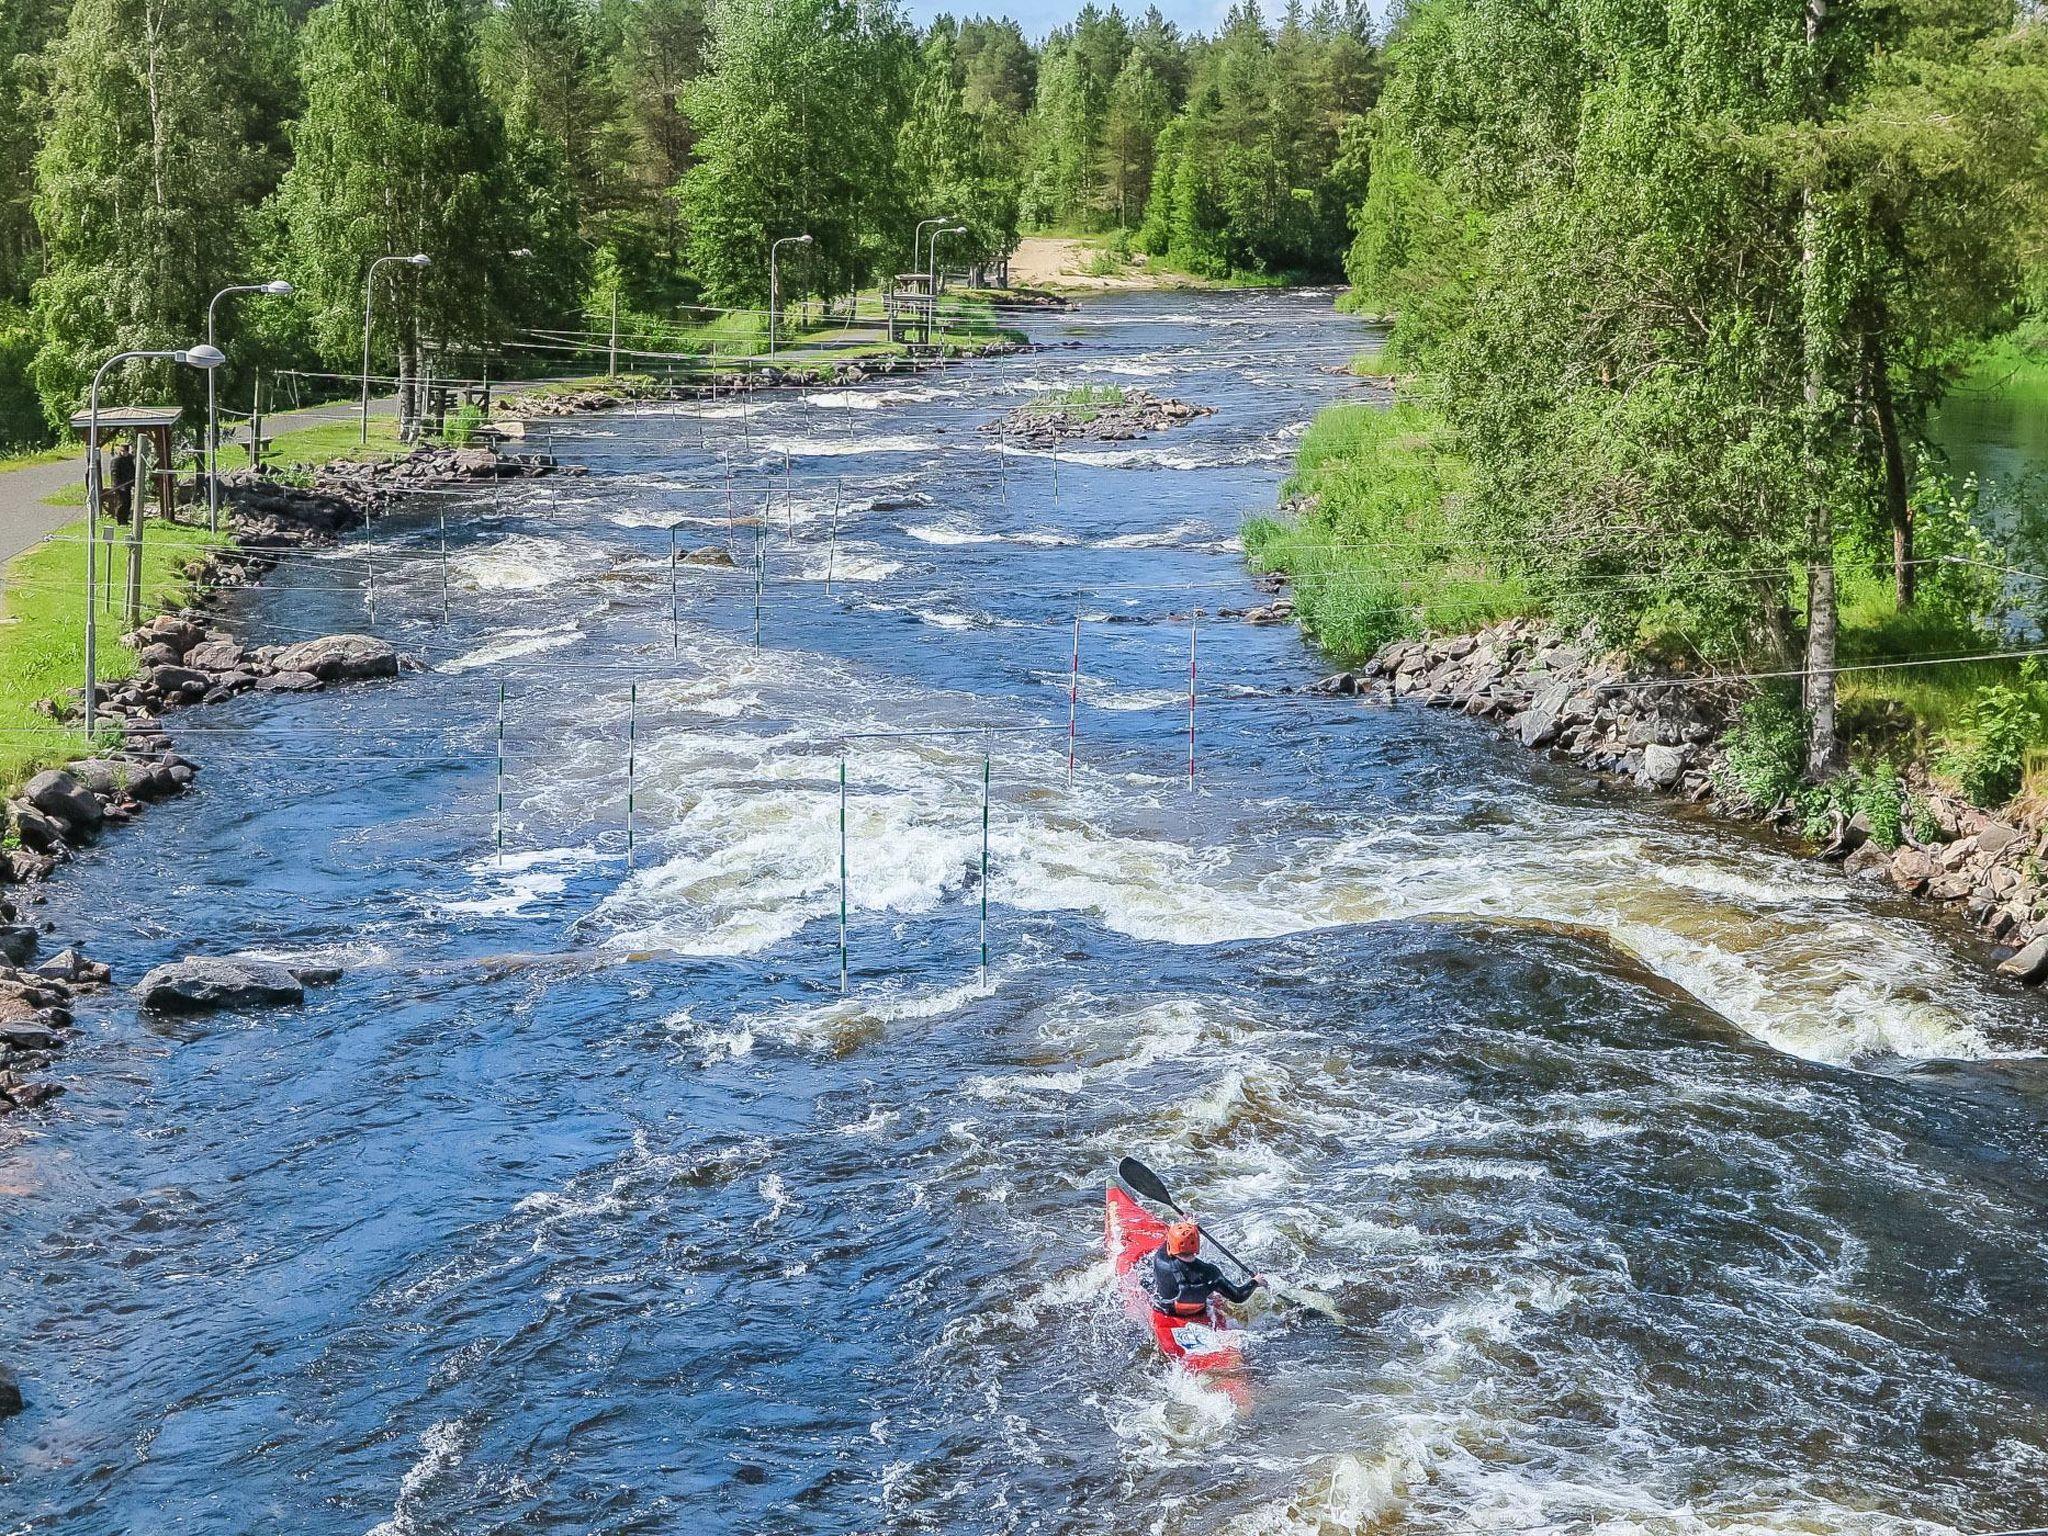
x=1676, y=292
x=557, y=158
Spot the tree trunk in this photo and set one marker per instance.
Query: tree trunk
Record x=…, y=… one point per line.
x=1822, y=747
x=1898, y=505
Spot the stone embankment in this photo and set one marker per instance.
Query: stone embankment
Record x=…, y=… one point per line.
x=1133, y=413
x=728, y=382
x=185, y=659
x=1665, y=733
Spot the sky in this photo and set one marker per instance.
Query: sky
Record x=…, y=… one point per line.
x=1038, y=17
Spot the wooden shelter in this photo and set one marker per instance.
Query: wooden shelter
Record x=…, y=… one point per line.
x=145, y=424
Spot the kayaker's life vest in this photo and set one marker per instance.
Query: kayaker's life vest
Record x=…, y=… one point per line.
x=1183, y=1288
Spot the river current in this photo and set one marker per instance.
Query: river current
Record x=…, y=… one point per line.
x=1666, y=1183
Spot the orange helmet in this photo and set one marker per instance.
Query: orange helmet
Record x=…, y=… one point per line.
x=1183, y=1240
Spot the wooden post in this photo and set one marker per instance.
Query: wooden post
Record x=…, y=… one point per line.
x=138, y=510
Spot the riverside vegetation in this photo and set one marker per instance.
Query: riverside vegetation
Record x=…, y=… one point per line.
x=1668, y=389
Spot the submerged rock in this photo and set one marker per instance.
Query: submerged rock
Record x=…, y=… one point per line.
x=202, y=983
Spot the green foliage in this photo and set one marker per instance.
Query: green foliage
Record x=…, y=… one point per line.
x=1989, y=763
x=22, y=424
x=1876, y=793
x=1378, y=548
x=796, y=122
x=399, y=151
x=152, y=155
x=1765, y=751
x=461, y=427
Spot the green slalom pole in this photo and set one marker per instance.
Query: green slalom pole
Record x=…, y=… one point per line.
x=632, y=760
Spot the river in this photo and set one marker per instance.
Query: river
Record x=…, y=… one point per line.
x=1667, y=1183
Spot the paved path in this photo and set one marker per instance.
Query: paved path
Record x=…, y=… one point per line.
x=26, y=518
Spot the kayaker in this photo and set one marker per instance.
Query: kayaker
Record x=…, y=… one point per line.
x=1184, y=1283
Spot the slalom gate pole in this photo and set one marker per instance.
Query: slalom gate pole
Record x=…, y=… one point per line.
x=842, y=875
x=1055, y=471
x=674, y=593
x=632, y=760
x=984, y=865
x=730, y=525
x=788, y=501
x=1073, y=699
x=760, y=580
x=1003, y=460
x=444, y=566
x=832, y=549
x=500, y=819
x=1193, y=629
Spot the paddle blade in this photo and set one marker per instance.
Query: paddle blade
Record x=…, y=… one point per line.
x=1143, y=1182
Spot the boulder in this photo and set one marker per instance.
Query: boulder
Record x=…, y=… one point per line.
x=70, y=966
x=178, y=679
x=56, y=793
x=1867, y=862
x=288, y=682
x=17, y=944
x=1911, y=870
x=39, y=833
x=1997, y=837
x=1537, y=725
x=710, y=554
x=2030, y=965
x=215, y=656
x=335, y=658
x=477, y=463
x=10, y=1394
x=202, y=983
x=30, y=1037
x=1663, y=766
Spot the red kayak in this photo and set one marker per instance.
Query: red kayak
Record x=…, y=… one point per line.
x=1133, y=1235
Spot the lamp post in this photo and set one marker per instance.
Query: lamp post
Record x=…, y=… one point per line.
x=277, y=288
x=206, y=357
x=917, y=239
x=932, y=281
x=369, y=282
x=774, y=290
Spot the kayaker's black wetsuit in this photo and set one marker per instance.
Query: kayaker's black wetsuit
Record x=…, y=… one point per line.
x=1182, y=1287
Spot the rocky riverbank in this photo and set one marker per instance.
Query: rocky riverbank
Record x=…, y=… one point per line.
x=1098, y=416
x=725, y=383
x=1667, y=733
x=184, y=659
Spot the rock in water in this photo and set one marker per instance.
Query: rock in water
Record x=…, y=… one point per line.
x=201, y=984
x=17, y=944
x=58, y=794
x=10, y=1394
x=2029, y=965
x=334, y=658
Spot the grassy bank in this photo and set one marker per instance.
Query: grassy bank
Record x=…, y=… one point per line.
x=42, y=632
x=1377, y=551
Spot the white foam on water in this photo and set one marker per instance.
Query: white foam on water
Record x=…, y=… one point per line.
x=440, y=1453
x=517, y=882
x=877, y=443
x=523, y=563
x=509, y=645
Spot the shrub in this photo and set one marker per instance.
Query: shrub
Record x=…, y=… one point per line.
x=1990, y=762
x=458, y=429
x=1766, y=751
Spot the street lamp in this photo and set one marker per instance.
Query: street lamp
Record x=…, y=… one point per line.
x=933, y=280
x=774, y=290
x=277, y=288
x=917, y=239
x=206, y=357
x=369, y=281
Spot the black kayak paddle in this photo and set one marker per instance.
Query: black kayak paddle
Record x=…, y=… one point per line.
x=1142, y=1181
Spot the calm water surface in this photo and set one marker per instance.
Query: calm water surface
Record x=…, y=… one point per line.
x=1667, y=1183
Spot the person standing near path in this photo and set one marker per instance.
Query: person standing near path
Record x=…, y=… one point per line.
x=120, y=495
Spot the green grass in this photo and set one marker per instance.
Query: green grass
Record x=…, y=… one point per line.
x=42, y=633
x=1381, y=553
x=55, y=453
x=2015, y=367
x=1083, y=403
x=329, y=442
